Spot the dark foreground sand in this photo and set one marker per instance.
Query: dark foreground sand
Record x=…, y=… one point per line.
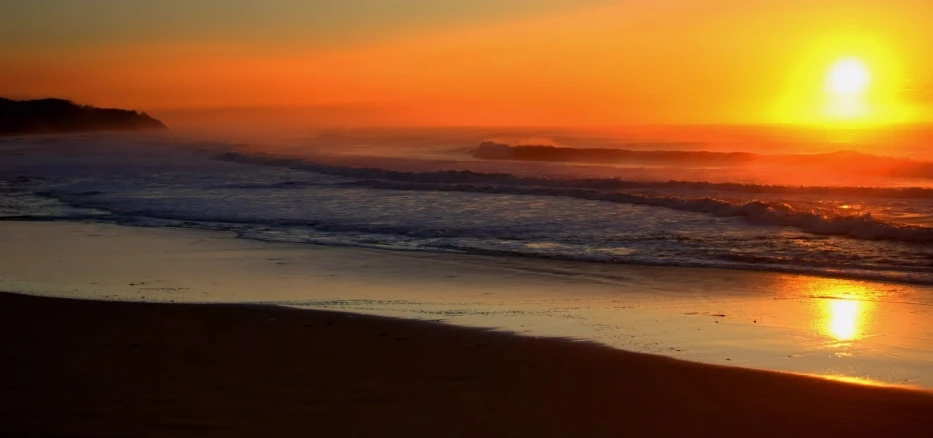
x=82, y=368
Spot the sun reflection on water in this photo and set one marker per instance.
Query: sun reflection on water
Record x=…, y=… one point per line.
x=843, y=308
x=842, y=319
x=846, y=308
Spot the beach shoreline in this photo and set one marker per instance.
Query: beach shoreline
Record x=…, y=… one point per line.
x=77, y=367
x=854, y=331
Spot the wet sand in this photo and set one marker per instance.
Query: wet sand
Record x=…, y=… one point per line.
x=806, y=325
x=89, y=368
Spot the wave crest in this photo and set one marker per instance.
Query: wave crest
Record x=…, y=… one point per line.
x=755, y=212
x=852, y=162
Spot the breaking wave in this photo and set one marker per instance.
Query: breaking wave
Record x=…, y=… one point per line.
x=472, y=177
x=863, y=226
x=755, y=212
x=493, y=150
x=852, y=162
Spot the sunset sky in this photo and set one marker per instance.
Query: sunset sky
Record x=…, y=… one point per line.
x=474, y=62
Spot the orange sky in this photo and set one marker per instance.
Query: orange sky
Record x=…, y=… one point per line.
x=603, y=63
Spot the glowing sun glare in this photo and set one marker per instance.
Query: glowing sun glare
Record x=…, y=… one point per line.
x=844, y=322
x=847, y=83
x=849, y=77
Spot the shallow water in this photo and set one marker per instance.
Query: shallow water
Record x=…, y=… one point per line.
x=629, y=254
x=430, y=194
x=853, y=330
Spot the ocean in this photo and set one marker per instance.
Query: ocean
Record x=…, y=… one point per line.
x=847, y=204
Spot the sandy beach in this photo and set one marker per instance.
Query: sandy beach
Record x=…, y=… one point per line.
x=84, y=368
x=861, y=331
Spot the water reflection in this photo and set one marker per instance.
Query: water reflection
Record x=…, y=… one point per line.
x=846, y=308
x=843, y=308
x=843, y=319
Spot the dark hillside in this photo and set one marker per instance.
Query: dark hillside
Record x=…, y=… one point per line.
x=59, y=115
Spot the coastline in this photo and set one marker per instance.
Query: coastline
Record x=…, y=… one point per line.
x=855, y=331
x=74, y=367
x=63, y=116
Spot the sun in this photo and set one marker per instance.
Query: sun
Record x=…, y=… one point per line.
x=848, y=77
x=847, y=85
x=846, y=81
